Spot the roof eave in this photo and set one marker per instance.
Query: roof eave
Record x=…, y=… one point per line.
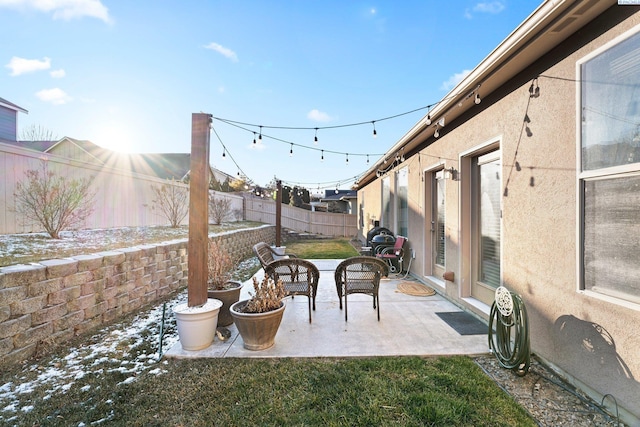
x=526, y=42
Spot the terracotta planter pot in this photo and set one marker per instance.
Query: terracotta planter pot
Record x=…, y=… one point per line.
x=197, y=325
x=228, y=298
x=258, y=330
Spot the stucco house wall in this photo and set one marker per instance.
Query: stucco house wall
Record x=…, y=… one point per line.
x=592, y=341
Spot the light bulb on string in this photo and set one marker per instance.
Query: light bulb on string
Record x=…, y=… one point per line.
x=428, y=121
x=224, y=153
x=322, y=155
x=375, y=133
x=478, y=100
x=254, y=138
x=436, y=133
x=347, y=159
x=260, y=135
x=315, y=138
x=291, y=151
x=367, y=159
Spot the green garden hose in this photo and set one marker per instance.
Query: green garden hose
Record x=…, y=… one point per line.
x=510, y=339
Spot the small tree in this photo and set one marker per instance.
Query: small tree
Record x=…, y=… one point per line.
x=37, y=133
x=219, y=209
x=172, y=201
x=55, y=202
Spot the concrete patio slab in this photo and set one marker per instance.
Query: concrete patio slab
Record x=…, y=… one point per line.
x=408, y=326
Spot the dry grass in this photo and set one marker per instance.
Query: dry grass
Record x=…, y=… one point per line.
x=34, y=247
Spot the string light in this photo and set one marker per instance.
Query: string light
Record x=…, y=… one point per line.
x=254, y=138
x=398, y=158
x=436, y=133
x=224, y=153
x=478, y=100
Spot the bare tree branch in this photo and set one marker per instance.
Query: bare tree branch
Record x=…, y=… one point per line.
x=172, y=201
x=219, y=209
x=53, y=201
x=37, y=133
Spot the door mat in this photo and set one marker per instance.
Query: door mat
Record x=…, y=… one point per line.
x=415, y=289
x=464, y=323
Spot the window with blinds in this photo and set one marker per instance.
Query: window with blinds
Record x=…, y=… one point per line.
x=386, y=202
x=488, y=226
x=609, y=170
x=612, y=237
x=439, y=218
x=403, y=201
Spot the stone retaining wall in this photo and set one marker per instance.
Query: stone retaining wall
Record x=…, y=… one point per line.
x=47, y=303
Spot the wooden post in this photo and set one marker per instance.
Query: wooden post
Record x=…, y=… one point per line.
x=198, y=210
x=278, y=212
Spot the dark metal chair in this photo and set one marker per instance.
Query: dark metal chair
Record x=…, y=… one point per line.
x=360, y=275
x=299, y=277
x=266, y=254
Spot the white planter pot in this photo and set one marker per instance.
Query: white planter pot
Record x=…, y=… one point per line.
x=197, y=325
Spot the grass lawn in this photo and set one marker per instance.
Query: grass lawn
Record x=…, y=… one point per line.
x=322, y=248
x=402, y=391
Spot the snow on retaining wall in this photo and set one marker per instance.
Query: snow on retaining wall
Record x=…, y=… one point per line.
x=46, y=303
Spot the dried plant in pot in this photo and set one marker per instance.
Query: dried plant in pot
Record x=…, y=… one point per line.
x=259, y=317
x=220, y=286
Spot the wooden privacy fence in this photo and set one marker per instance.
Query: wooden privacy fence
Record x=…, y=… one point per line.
x=323, y=223
x=123, y=198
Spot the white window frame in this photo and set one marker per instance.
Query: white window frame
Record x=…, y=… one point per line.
x=607, y=172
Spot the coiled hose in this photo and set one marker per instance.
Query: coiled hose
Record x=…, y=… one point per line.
x=510, y=340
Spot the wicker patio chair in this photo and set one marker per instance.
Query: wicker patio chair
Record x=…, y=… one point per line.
x=360, y=275
x=266, y=254
x=299, y=277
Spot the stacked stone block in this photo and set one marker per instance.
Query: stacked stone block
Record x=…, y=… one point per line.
x=46, y=303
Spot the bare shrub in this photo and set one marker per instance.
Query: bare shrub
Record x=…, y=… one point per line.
x=219, y=209
x=172, y=201
x=53, y=201
x=220, y=266
x=267, y=296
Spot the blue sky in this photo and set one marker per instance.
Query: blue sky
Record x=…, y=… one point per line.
x=127, y=75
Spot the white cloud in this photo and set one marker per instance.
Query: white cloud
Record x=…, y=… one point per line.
x=454, y=80
x=63, y=9
x=55, y=96
x=226, y=52
x=22, y=65
x=491, y=7
x=318, y=116
x=57, y=74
